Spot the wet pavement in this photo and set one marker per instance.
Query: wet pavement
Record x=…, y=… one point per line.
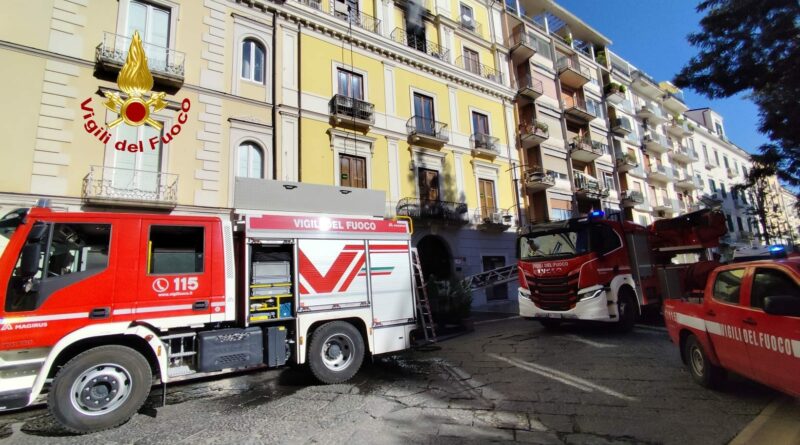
x=509, y=381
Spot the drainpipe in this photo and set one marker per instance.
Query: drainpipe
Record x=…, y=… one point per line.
x=515, y=181
x=274, y=94
x=299, y=101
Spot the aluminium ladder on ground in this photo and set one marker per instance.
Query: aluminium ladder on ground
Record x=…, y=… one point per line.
x=421, y=298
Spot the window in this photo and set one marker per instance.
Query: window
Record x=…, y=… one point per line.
x=423, y=114
x=691, y=143
x=152, y=23
x=66, y=253
x=643, y=220
x=137, y=171
x=428, y=181
x=251, y=161
x=771, y=283
x=253, y=57
x=350, y=84
x=727, y=286
x=722, y=190
x=608, y=180
x=739, y=223
x=730, y=223
x=560, y=214
x=716, y=157
x=480, y=123
x=498, y=291
x=175, y=250
x=487, y=197
x=352, y=171
x=467, y=17
x=718, y=127
x=472, y=61
x=725, y=161
x=712, y=185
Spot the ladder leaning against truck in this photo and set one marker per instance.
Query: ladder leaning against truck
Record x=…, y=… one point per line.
x=98, y=306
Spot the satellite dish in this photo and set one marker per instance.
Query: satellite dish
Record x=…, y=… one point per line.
x=466, y=18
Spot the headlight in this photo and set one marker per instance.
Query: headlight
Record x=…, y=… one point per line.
x=591, y=294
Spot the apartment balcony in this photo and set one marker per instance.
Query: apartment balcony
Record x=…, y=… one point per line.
x=430, y=210
x=657, y=143
x=166, y=65
x=348, y=110
x=355, y=18
x=674, y=101
x=572, y=74
x=686, y=182
x=469, y=24
x=587, y=187
x=575, y=107
x=711, y=199
x=532, y=133
x=682, y=153
x=626, y=162
x=621, y=126
x=538, y=179
x=710, y=164
x=658, y=173
x=651, y=113
x=479, y=69
x=421, y=129
x=111, y=186
x=731, y=172
x=614, y=94
x=662, y=204
x=483, y=144
x=585, y=150
x=638, y=172
x=432, y=49
x=631, y=198
x=680, y=129
x=522, y=46
x=492, y=219
x=529, y=87
x=646, y=85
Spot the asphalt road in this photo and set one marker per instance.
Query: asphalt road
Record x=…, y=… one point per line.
x=508, y=381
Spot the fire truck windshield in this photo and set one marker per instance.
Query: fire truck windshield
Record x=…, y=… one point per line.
x=555, y=243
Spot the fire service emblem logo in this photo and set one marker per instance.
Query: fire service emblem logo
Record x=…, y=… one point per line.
x=135, y=80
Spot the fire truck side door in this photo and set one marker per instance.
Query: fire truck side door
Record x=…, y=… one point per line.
x=724, y=315
x=175, y=269
x=774, y=345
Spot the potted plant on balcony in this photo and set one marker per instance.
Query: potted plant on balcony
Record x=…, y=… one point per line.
x=540, y=128
x=600, y=57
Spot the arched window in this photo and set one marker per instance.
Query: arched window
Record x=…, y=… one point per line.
x=253, y=58
x=251, y=161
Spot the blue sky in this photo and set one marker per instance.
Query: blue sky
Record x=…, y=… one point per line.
x=651, y=34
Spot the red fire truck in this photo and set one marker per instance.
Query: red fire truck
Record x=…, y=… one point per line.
x=99, y=306
x=744, y=318
x=599, y=269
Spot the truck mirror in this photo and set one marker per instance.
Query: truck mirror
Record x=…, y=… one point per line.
x=782, y=305
x=29, y=263
x=37, y=232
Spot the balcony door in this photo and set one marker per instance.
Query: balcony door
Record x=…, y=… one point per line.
x=487, y=197
x=423, y=114
x=353, y=171
x=136, y=174
x=480, y=123
x=153, y=23
x=472, y=61
x=351, y=84
x=428, y=181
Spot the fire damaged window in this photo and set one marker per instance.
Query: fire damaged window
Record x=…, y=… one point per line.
x=727, y=286
x=175, y=250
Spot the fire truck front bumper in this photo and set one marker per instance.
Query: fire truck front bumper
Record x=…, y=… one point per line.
x=593, y=304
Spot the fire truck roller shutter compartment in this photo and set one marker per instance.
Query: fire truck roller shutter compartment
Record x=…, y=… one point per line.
x=392, y=309
x=271, y=295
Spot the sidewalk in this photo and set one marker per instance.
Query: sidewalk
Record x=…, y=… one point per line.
x=778, y=424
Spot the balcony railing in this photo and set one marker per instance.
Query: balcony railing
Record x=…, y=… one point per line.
x=483, y=143
x=533, y=133
x=621, y=125
x=166, y=65
x=492, y=219
x=731, y=173
x=589, y=187
x=522, y=44
x=657, y=142
x=683, y=153
x=576, y=107
x=135, y=188
x=344, y=109
x=631, y=198
x=479, y=69
x=572, y=73
x=626, y=161
x=530, y=87
x=419, y=127
x=585, y=149
x=659, y=172
x=537, y=179
x=651, y=112
x=429, y=209
x=471, y=25
x=356, y=18
x=399, y=35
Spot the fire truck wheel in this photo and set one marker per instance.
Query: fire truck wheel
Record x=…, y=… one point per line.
x=702, y=370
x=551, y=324
x=626, y=308
x=336, y=352
x=100, y=388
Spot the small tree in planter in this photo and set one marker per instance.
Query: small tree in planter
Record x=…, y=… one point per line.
x=451, y=301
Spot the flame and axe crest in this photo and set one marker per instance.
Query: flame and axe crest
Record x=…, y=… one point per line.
x=135, y=80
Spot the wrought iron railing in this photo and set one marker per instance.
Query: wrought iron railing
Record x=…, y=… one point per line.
x=528, y=82
x=565, y=63
x=418, y=125
x=475, y=67
x=114, y=49
x=122, y=184
x=399, y=35
x=340, y=105
x=418, y=208
x=587, y=144
x=484, y=142
x=538, y=175
x=356, y=18
x=471, y=25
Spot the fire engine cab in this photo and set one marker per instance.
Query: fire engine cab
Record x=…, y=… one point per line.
x=100, y=305
x=745, y=318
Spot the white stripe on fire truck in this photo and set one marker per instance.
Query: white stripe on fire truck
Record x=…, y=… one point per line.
x=218, y=304
x=796, y=348
x=13, y=320
x=692, y=322
x=714, y=328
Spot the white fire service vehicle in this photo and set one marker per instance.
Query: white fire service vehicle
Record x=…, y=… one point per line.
x=99, y=306
x=598, y=269
x=745, y=318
